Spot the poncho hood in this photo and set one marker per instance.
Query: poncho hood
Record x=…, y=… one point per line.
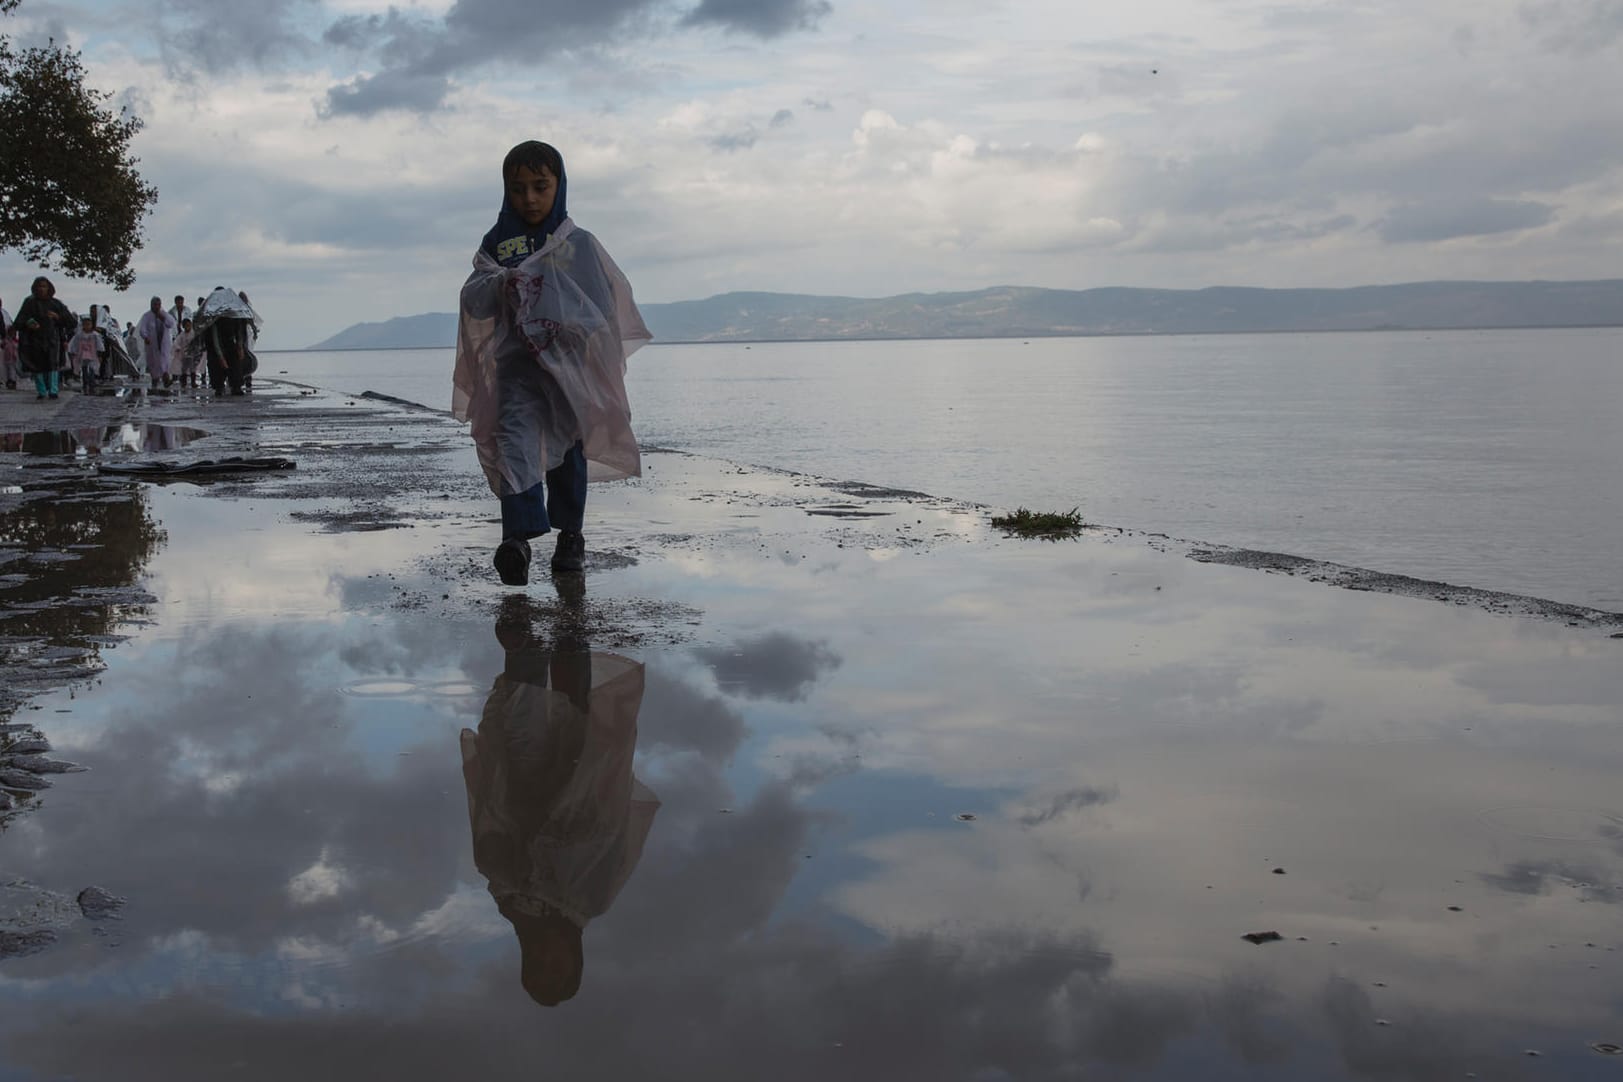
x=512, y=240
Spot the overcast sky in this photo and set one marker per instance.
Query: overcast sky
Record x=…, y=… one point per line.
x=340, y=159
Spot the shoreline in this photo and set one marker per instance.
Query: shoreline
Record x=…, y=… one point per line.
x=1031, y=334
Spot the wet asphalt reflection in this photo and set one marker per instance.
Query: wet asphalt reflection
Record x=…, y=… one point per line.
x=956, y=811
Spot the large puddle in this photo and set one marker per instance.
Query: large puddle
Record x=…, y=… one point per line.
x=977, y=813
x=112, y=439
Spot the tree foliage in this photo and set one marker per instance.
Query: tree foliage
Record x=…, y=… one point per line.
x=70, y=195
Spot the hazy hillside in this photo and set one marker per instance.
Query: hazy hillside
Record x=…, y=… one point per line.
x=1017, y=312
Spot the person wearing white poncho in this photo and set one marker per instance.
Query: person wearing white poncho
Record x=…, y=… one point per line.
x=157, y=330
x=547, y=322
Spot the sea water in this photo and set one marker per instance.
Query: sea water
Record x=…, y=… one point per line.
x=1482, y=458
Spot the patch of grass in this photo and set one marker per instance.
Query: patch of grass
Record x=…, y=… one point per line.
x=1048, y=525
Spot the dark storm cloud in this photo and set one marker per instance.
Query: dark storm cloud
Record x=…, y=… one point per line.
x=731, y=141
x=1447, y=219
x=688, y=719
x=772, y=666
x=1059, y=806
x=370, y=94
x=763, y=18
x=229, y=35
x=420, y=55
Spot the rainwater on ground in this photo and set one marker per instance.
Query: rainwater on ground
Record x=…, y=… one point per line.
x=101, y=440
x=777, y=791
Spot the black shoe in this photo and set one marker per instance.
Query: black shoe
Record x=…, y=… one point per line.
x=570, y=555
x=55, y=396
x=513, y=561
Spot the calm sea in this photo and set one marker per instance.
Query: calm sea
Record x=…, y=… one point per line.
x=1481, y=458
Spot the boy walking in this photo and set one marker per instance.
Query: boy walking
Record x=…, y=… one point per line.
x=547, y=322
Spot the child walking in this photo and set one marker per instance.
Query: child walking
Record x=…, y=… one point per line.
x=84, y=354
x=188, y=357
x=547, y=322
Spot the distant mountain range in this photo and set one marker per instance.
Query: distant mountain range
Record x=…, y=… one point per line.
x=1019, y=312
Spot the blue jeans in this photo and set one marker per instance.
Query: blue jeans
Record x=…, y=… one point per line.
x=47, y=382
x=562, y=504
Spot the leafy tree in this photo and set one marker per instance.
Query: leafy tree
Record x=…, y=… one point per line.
x=70, y=196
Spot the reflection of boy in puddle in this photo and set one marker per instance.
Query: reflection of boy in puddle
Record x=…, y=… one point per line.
x=558, y=819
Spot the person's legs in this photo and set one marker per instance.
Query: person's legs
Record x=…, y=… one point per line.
x=566, y=491
x=566, y=500
x=524, y=515
x=42, y=385
x=53, y=383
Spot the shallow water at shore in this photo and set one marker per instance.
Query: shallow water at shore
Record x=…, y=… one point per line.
x=930, y=802
x=1482, y=458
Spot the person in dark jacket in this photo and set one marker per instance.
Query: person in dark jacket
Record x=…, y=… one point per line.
x=43, y=326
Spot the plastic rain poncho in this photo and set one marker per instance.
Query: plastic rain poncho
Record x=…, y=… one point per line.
x=157, y=331
x=218, y=322
x=558, y=818
x=84, y=352
x=541, y=361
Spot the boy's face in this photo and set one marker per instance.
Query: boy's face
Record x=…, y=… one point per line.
x=532, y=194
x=41, y=290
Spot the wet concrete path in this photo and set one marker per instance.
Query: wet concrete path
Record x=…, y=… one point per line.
x=805, y=780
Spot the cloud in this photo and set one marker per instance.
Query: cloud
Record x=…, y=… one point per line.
x=763, y=18
x=230, y=35
x=1244, y=161
x=419, y=55
x=730, y=141
x=1447, y=219
x=369, y=94
x=772, y=666
x=1064, y=803
x=1579, y=27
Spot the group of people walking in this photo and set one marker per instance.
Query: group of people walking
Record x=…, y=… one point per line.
x=178, y=346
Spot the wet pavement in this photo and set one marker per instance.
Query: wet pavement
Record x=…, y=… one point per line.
x=804, y=780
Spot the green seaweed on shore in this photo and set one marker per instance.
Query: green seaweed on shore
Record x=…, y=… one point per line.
x=1048, y=525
